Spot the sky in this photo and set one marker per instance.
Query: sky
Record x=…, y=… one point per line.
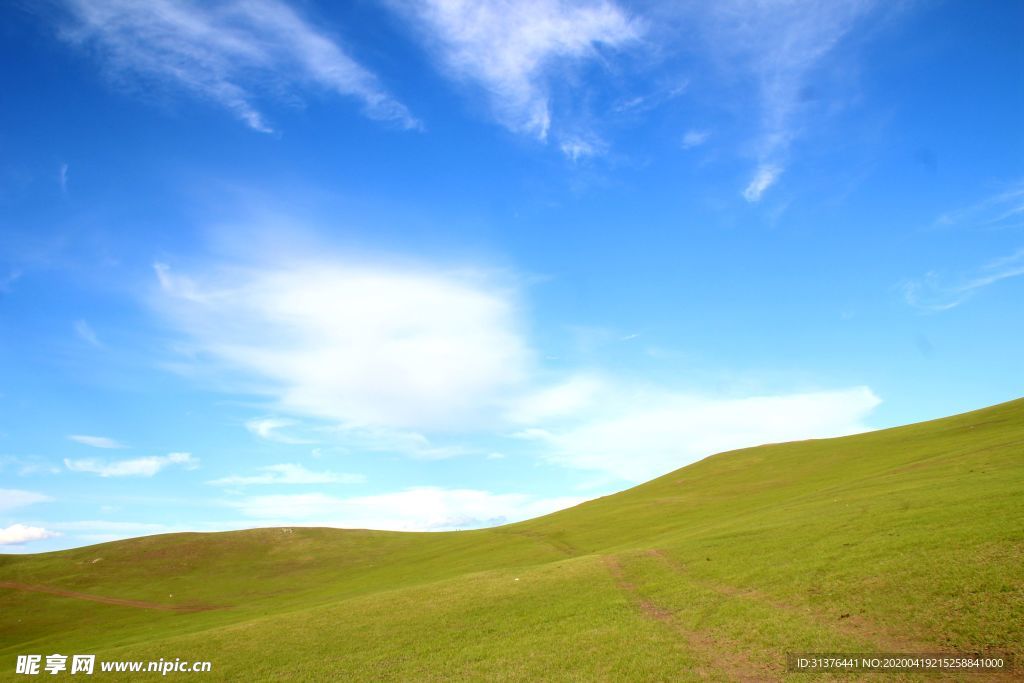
x=449, y=264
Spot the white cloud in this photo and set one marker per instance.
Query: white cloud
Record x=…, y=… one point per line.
x=87, y=334
x=639, y=435
x=227, y=52
x=931, y=293
x=511, y=47
x=398, y=441
x=573, y=396
x=695, y=138
x=135, y=467
x=62, y=177
x=290, y=473
x=17, y=534
x=27, y=466
x=577, y=148
x=95, y=441
x=11, y=499
x=779, y=44
x=1001, y=210
x=268, y=428
x=81, y=532
x=110, y=526
x=402, y=361
x=373, y=347
x=414, y=509
x=764, y=177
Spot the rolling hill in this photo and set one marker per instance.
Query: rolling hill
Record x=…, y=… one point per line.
x=903, y=540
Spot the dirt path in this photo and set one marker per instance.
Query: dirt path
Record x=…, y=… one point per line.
x=723, y=657
x=884, y=640
x=139, y=604
x=849, y=625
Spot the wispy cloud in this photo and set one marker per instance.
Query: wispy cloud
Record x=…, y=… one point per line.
x=289, y=473
x=764, y=177
x=269, y=428
x=512, y=49
x=933, y=293
x=11, y=499
x=16, y=534
x=778, y=44
x=227, y=52
x=580, y=147
x=385, y=440
x=27, y=466
x=85, y=332
x=62, y=177
x=96, y=441
x=695, y=138
x=414, y=509
x=1001, y=210
x=134, y=467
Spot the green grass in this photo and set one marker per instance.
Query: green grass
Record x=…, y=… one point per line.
x=903, y=540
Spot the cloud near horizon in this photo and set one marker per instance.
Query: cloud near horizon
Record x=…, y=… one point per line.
x=425, y=508
x=637, y=434
x=17, y=534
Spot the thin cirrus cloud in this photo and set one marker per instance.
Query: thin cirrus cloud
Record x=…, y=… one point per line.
x=95, y=441
x=512, y=49
x=764, y=177
x=289, y=473
x=934, y=294
x=778, y=45
x=11, y=499
x=27, y=466
x=695, y=137
x=1004, y=209
x=355, y=438
x=85, y=332
x=269, y=428
x=414, y=509
x=230, y=53
x=134, y=467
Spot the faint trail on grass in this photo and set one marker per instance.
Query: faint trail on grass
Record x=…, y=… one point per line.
x=853, y=625
x=561, y=546
x=139, y=604
x=723, y=657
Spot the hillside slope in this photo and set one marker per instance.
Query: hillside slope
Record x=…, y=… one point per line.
x=902, y=540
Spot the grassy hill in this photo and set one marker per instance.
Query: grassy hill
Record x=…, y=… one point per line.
x=904, y=540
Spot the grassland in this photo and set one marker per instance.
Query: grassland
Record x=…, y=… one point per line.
x=903, y=540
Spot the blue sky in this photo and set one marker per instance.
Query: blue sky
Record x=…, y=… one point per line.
x=443, y=265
